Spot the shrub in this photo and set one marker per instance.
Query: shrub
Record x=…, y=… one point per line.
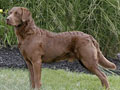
x=99, y=18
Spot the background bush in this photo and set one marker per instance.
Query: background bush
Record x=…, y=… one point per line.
x=100, y=18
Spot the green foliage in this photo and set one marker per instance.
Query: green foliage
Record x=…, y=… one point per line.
x=100, y=18
x=54, y=80
x=7, y=36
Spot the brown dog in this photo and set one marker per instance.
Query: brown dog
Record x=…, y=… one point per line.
x=37, y=46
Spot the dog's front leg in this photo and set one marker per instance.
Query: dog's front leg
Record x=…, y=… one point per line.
x=30, y=68
x=37, y=72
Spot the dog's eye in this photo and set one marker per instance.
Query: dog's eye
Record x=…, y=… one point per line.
x=16, y=13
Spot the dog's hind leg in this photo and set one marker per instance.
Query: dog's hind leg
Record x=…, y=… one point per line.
x=95, y=70
x=88, y=56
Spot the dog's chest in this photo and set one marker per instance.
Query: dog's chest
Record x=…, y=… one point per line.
x=26, y=48
x=22, y=49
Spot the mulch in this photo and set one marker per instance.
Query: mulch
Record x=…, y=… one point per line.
x=11, y=58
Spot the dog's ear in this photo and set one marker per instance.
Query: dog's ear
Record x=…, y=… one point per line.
x=25, y=14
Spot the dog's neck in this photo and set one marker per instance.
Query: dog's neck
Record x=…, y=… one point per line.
x=25, y=29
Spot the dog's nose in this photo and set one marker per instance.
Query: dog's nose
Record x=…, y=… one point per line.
x=7, y=19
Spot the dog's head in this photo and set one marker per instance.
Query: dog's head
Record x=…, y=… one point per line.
x=17, y=16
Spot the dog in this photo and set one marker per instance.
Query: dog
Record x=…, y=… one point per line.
x=38, y=45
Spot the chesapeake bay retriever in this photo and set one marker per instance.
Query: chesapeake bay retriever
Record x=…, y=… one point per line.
x=38, y=45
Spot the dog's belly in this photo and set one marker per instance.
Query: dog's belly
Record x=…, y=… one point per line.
x=55, y=49
x=53, y=58
x=53, y=55
x=56, y=53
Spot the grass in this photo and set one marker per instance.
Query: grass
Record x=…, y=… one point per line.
x=17, y=79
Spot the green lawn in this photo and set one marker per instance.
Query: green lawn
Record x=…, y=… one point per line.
x=17, y=79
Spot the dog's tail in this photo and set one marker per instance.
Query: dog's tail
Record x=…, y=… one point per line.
x=104, y=62
x=101, y=59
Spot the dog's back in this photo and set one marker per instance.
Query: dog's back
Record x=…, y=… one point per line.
x=60, y=46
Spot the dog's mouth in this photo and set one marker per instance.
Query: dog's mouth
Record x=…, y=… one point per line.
x=11, y=24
